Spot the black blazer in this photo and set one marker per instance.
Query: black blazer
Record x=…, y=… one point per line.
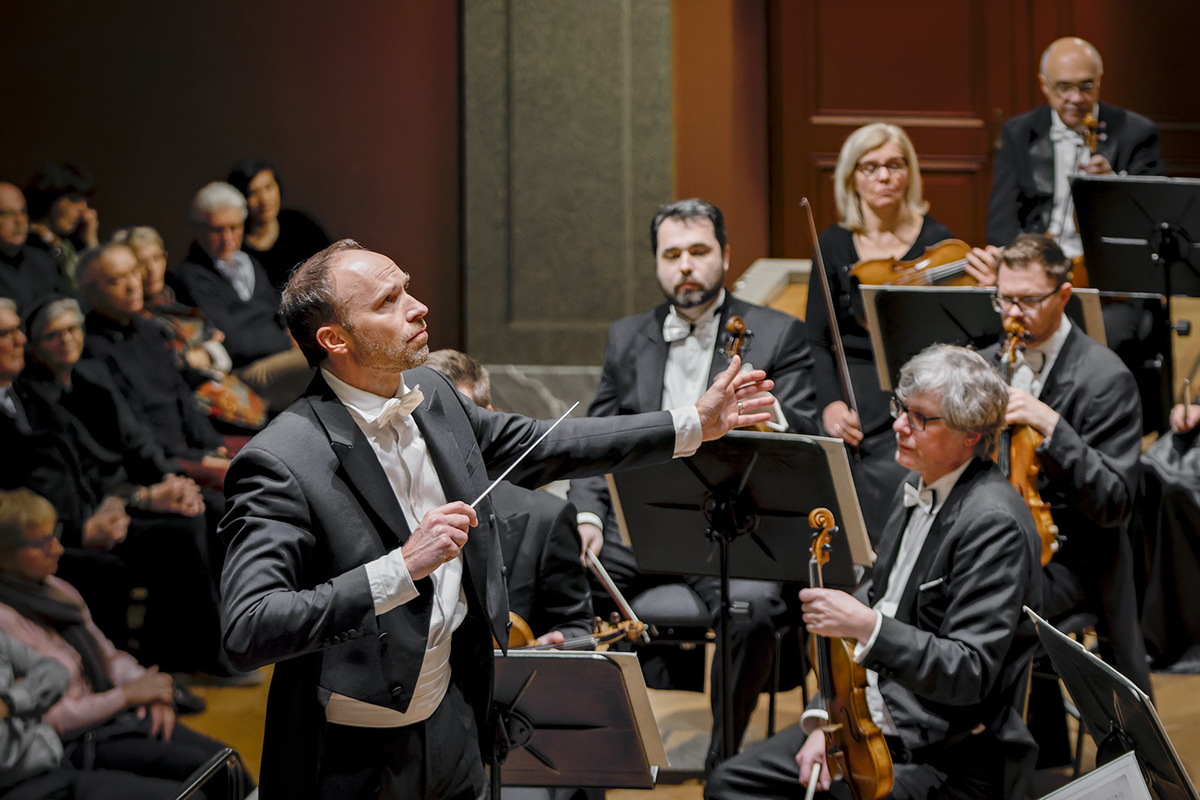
x=957, y=653
x=1089, y=477
x=632, y=379
x=547, y=584
x=309, y=505
x=1023, y=174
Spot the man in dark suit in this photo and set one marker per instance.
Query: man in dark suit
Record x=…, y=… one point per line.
x=670, y=355
x=27, y=274
x=547, y=583
x=939, y=627
x=1080, y=396
x=352, y=560
x=1040, y=149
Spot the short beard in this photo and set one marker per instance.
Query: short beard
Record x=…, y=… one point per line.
x=691, y=298
x=390, y=356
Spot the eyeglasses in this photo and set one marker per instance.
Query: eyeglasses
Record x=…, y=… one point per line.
x=1062, y=88
x=73, y=331
x=916, y=420
x=869, y=168
x=1003, y=303
x=7, y=332
x=44, y=542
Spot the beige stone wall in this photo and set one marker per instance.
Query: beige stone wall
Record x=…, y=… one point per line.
x=567, y=138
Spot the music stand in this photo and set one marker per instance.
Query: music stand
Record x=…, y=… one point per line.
x=1116, y=714
x=904, y=320
x=739, y=507
x=1140, y=234
x=606, y=737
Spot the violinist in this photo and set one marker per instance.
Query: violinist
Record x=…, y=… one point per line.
x=1040, y=149
x=1083, y=400
x=939, y=625
x=877, y=184
x=670, y=355
x=547, y=584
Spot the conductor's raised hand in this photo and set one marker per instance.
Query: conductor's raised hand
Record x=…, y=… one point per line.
x=439, y=538
x=734, y=400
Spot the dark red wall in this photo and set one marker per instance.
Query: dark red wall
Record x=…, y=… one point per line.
x=355, y=102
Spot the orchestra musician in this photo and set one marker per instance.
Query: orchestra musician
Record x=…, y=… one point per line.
x=1082, y=399
x=877, y=184
x=1040, y=149
x=939, y=625
x=667, y=356
x=354, y=560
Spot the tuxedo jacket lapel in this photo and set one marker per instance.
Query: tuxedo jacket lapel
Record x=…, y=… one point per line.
x=1062, y=373
x=1041, y=156
x=366, y=475
x=651, y=363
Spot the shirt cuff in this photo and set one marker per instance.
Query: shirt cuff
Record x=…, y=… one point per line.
x=778, y=422
x=588, y=518
x=812, y=719
x=391, y=585
x=862, y=648
x=688, y=436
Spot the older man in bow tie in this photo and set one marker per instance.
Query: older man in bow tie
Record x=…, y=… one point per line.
x=355, y=561
x=939, y=626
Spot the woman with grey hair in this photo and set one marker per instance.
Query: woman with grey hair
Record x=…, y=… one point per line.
x=883, y=215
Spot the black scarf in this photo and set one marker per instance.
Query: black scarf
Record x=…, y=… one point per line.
x=39, y=603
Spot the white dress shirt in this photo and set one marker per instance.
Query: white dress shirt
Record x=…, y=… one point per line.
x=239, y=271
x=1043, y=357
x=1070, y=155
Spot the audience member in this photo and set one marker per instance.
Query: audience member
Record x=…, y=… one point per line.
x=126, y=710
x=31, y=765
x=27, y=274
x=228, y=285
x=139, y=357
x=279, y=238
x=198, y=345
x=64, y=222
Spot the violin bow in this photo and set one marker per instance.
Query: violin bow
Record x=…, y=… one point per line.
x=836, y=335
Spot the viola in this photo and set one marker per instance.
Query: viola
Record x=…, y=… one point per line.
x=1016, y=454
x=520, y=635
x=738, y=345
x=942, y=264
x=855, y=749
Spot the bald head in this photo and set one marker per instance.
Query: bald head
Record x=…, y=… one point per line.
x=1070, y=76
x=14, y=221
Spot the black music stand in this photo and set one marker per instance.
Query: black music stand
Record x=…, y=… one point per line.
x=550, y=733
x=904, y=320
x=739, y=508
x=1117, y=715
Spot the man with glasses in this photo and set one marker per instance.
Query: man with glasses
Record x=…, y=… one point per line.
x=1039, y=150
x=1079, y=396
x=939, y=626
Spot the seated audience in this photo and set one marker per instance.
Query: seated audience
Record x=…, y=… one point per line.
x=64, y=223
x=27, y=274
x=126, y=711
x=31, y=754
x=233, y=290
x=144, y=517
x=198, y=344
x=277, y=237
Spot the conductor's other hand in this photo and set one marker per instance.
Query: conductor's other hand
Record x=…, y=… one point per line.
x=734, y=400
x=439, y=538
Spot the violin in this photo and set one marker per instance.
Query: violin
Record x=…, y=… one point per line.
x=855, y=749
x=1017, y=457
x=738, y=345
x=942, y=264
x=520, y=635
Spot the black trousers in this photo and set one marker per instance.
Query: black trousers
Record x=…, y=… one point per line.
x=752, y=636
x=966, y=771
x=72, y=784
x=437, y=759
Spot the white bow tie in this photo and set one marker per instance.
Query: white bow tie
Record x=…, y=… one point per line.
x=1064, y=134
x=400, y=407
x=923, y=498
x=1034, y=359
x=676, y=328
